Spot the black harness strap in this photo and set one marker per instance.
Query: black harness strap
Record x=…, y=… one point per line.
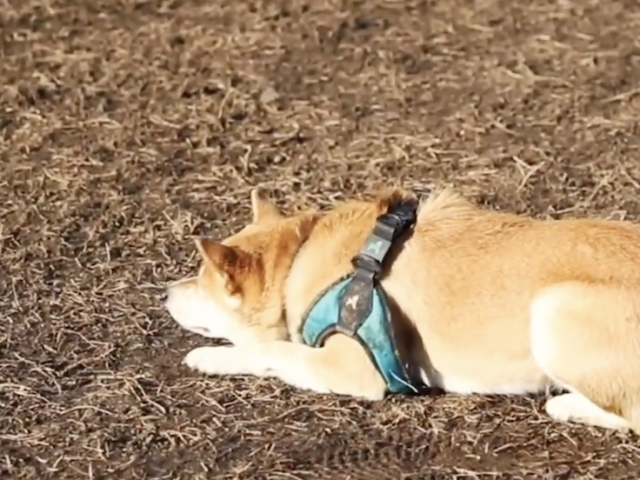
x=357, y=300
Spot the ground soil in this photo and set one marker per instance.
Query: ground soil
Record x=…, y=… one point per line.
x=128, y=126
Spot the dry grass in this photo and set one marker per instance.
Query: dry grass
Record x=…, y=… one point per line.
x=128, y=126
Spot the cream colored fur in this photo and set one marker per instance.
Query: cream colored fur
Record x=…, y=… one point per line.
x=486, y=302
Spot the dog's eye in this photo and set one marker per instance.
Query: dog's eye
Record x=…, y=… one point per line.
x=201, y=330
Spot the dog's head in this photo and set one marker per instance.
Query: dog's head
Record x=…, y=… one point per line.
x=238, y=294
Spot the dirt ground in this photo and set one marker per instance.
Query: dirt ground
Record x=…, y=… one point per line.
x=128, y=126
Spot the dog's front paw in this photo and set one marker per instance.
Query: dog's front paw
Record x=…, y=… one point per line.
x=211, y=360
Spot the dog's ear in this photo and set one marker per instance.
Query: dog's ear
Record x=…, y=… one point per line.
x=230, y=263
x=263, y=209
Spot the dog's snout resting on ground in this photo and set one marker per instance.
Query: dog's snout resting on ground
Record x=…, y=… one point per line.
x=395, y=295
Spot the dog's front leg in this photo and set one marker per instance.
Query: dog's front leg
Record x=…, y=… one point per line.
x=334, y=368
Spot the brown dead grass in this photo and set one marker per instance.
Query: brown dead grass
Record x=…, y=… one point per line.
x=128, y=126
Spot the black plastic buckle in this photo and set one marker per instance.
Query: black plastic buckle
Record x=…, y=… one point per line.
x=357, y=299
x=404, y=215
x=364, y=262
x=388, y=227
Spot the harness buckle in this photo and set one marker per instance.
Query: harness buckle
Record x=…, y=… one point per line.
x=368, y=263
x=388, y=227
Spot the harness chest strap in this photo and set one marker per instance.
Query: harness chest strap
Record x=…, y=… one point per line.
x=356, y=305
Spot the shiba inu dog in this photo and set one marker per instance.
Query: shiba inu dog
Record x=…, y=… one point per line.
x=396, y=295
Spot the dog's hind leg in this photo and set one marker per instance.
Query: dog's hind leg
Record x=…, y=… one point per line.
x=586, y=338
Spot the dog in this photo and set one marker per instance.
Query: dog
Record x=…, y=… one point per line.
x=465, y=300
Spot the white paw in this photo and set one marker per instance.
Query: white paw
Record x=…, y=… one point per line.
x=212, y=360
x=577, y=408
x=561, y=407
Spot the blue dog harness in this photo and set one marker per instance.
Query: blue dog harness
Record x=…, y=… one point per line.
x=356, y=305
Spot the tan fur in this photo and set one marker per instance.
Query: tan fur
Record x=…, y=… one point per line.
x=484, y=302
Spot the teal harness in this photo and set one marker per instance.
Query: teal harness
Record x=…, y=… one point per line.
x=356, y=305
